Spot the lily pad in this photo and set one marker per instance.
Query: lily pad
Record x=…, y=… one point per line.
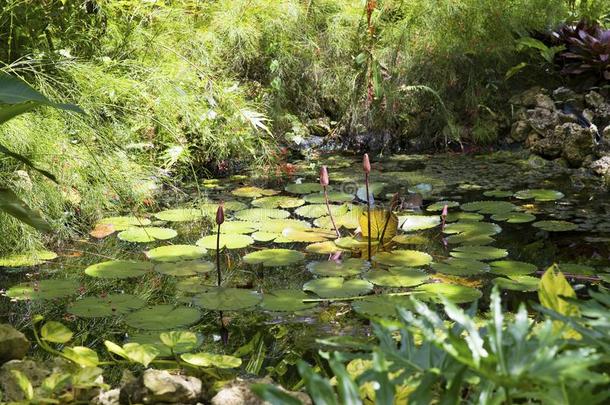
x=489, y=207
x=118, y=269
x=227, y=299
x=211, y=360
x=278, y=202
x=411, y=239
x=304, y=188
x=382, y=306
x=337, y=287
x=511, y=268
x=439, y=205
x=274, y=257
x=145, y=235
x=261, y=214
x=162, y=317
x=514, y=217
x=403, y=258
x=285, y=301
x=109, y=305
x=253, y=192
x=411, y=223
x=323, y=248
x=457, y=294
x=576, y=268
x=320, y=210
x=243, y=227
x=349, y=267
x=308, y=235
x=180, y=215
x=186, y=268
x=498, y=193
x=352, y=243
x=34, y=258
x=539, y=194
x=518, y=283
x=228, y=241
x=461, y=267
x=397, y=277
x=472, y=227
x=42, y=290
x=478, y=252
x=333, y=196
x=175, y=253
x=211, y=208
x=122, y=223
x=463, y=216
x=349, y=220
x=555, y=226
x=192, y=285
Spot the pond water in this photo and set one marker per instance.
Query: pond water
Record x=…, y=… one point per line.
x=287, y=282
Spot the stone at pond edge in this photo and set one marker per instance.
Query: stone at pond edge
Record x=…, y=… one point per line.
x=13, y=344
x=238, y=392
x=159, y=386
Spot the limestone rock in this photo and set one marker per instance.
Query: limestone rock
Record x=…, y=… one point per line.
x=579, y=143
x=238, y=392
x=594, y=99
x=13, y=344
x=601, y=166
x=563, y=94
x=161, y=387
x=542, y=119
x=544, y=101
x=519, y=131
x=110, y=397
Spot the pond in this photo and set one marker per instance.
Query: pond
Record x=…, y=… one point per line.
x=287, y=280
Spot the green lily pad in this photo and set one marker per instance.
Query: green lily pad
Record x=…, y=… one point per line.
x=102, y=307
x=243, y=227
x=349, y=267
x=274, y=257
x=470, y=239
x=227, y=299
x=478, y=252
x=489, y=207
x=411, y=223
x=320, y=210
x=382, y=306
x=34, y=258
x=187, y=344
x=539, y=194
x=411, y=239
x=253, y=192
x=211, y=360
x=576, y=268
x=323, y=248
x=518, y=283
x=162, y=317
x=403, y=258
x=498, y=193
x=227, y=240
x=472, y=227
x=555, y=226
x=118, y=269
x=308, y=235
x=397, y=277
x=175, y=253
x=461, y=267
x=349, y=220
x=439, y=205
x=42, y=290
x=333, y=196
x=285, y=301
x=457, y=294
x=192, y=285
x=511, y=268
x=278, y=202
x=145, y=235
x=186, y=268
x=278, y=225
x=514, y=217
x=231, y=206
x=180, y=215
x=463, y=216
x=261, y=214
x=337, y=287
x=352, y=243
x=304, y=188
x=123, y=223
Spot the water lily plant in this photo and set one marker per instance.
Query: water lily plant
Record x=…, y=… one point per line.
x=324, y=181
x=366, y=165
x=220, y=218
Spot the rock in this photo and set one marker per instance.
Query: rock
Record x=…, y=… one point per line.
x=528, y=97
x=519, y=131
x=594, y=99
x=110, y=397
x=161, y=387
x=601, y=166
x=13, y=344
x=544, y=101
x=319, y=126
x=563, y=94
x=549, y=147
x=542, y=119
x=9, y=387
x=579, y=143
x=238, y=392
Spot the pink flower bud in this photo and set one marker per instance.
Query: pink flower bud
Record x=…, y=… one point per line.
x=323, y=176
x=220, y=213
x=444, y=213
x=366, y=164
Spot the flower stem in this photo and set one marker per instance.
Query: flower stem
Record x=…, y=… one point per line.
x=368, y=213
x=330, y=213
x=218, y=255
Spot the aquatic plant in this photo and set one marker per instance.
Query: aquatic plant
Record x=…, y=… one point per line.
x=324, y=181
x=220, y=219
x=366, y=166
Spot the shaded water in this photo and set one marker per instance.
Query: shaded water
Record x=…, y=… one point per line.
x=287, y=336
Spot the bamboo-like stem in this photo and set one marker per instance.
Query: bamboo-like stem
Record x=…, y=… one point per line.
x=368, y=212
x=218, y=255
x=330, y=214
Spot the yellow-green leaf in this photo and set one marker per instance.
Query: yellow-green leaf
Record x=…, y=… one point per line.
x=553, y=286
x=55, y=332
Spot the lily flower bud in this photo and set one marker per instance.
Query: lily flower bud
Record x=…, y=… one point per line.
x=444, y=213
x=366, y=164
x=323, y=176
x=220, y=214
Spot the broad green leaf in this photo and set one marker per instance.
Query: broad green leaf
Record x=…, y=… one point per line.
x=555, y=226
x=181, y=341
x=384, y=224
x=317, y=386
x=140, y=353
x=32, y=258
x=554, y=286
x=146, y=234
x=211, y=360
x=82, y=356
x=227, y=241
x=274, y=257
x=397, y=277
x=403, y=258
x=118, y=269
x=180, y=215
x=175, y=253
x=24, y=383
x=162, y=317
x=539, y=194
x=347, y=387
x=105, y=306
x=285, y=301
x=187, y=268
x=274, y=395
x=55, y=332
x=337, y=287
x=14, y=206
x=478, y=252
x=227, y=299
x=43, y=289
x=349, y=267
x=123, y=223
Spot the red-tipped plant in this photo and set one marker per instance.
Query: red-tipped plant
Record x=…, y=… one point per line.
x=444, y=216
x=324, y=181
x=220, y=218
x=366, y=165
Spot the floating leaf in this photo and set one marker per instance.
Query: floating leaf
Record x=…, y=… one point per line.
x=191, y=285
x=175, y=253
x=464, y=216
x=304, y=188
x=383, y=306
x=403, y=258
x=42, y=290
x=102, y=230
x=83, y=356
x=274, y=257
x=351, y=243
x=383, y=224
x=33, y=258
x=498, y=193
x=122, y=223
x=285, y=301
x=517, y=283
x=109, y=305
x=489, y=207
x=409, y=223
x=162, y=317
x=539, y=194
x=227, y=299
x=514, y=217
x=410, y=239
x=457, y=294
x=228, y=241
x=278, y=201
x=337, y=287
x=145, y=235
x=397, y=277
x=211, y=360
x=308, y=235
x=323, y=248
x=439, y=205
x=180, y=215
x=210, y=208
x=478, y=252
x=349, y=220
x=461, y=267
x=333, y=196
x=242, y=227
x=55, y=332
x=118, y=269
x=349, y=267
x=186, y=268
x=575, y=268
x=511, y=268
x=253, y=192
x=319, y=210
x=473, y=227
x=185, y=344
x=261, y=214
x=555, y=226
